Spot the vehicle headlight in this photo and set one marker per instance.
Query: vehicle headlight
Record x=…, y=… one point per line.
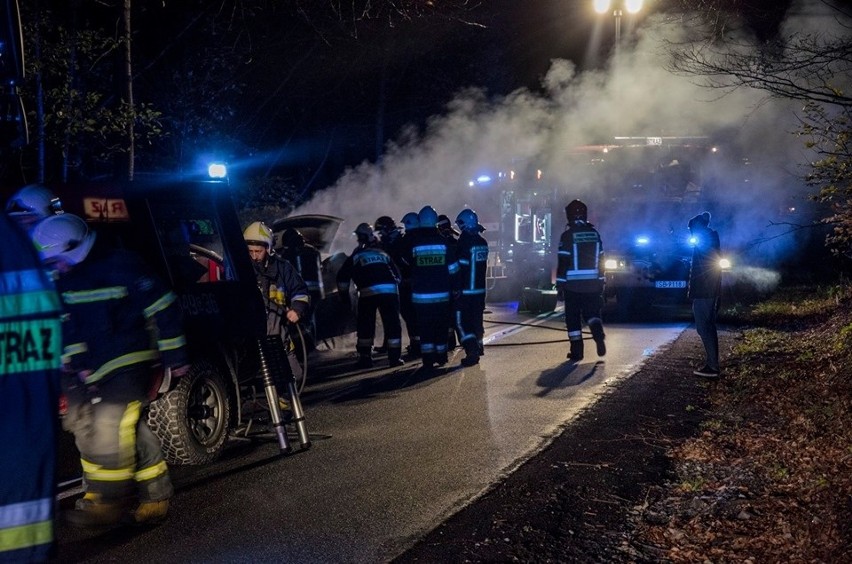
x=725, y=263
x=611, y=264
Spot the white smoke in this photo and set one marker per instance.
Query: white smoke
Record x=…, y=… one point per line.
x=633, y=96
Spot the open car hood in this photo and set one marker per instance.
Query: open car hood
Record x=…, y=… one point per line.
x=318, y=230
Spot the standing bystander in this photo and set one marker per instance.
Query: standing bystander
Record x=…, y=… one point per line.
x=705, y=284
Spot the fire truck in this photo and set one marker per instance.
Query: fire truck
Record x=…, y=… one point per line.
x=516, y=209
x=640, y=192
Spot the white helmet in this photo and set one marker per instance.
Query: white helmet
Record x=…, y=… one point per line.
x=467, y=220
x=64, y=236
x=33, y=200
x=258, y=233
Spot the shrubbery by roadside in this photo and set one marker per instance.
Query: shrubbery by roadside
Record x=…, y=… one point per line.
x=769, y=478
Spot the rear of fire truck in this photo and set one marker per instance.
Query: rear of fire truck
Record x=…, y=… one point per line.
x=516, y=209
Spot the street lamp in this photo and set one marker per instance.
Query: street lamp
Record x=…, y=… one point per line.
x=617, y=7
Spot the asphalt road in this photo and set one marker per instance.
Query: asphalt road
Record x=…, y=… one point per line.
x=394, y=452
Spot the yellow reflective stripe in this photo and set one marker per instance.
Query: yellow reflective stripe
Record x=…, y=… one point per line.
x=161, y=304
x=171, y=344
x=97, y=473
x=98, y=295
x=127, y=435
x=26, y=536
x=121, y=362
x=20, y=304
x=75, y=348
x=151, y=472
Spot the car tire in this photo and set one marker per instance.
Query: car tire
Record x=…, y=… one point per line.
x=192, y=420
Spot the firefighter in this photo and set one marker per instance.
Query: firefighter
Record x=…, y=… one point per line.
x=451, y=235
x=434, y=271
x=377, y=279
x=580, y=279
x=306, y=259
x=31, y=204
x=410, y=223
x=705, y=286
x=390, y=241
x=285, y=294
x=121, y=321
x=470, y=305
x=31, y=342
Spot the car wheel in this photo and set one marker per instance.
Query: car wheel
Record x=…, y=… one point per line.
x=191, y=421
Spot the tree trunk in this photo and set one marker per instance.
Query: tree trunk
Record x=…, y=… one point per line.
x=131, y=108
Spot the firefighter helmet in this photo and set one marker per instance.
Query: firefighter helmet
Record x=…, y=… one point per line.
x=576, y=210
x=364, y=233
x=467, y=220
x=64, y=236
x=385, y=224
x=258, y=233
x=33, y=200
x=292, y=238
x=428, y=217
x=411, y=221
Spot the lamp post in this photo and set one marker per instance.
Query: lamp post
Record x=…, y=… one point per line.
x=617, y=7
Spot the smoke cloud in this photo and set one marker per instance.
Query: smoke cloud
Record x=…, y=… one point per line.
x=634, y=95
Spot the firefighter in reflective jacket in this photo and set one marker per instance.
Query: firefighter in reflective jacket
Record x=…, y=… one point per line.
x=580, y=279
x=30, y=359
x=284, y=292
x=306, y=259
x=377, y=279
x=307, y=262
x=473, y=261
x=434, y=279
x=121, y=321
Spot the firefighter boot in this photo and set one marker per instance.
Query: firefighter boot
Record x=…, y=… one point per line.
x=471, y=357
x=365, y=357
x=596, y=327
x=93, y=511
x=151, y=512
x=394, y=359
x=576, y=353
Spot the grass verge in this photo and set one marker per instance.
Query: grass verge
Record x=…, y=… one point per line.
x=769, y=478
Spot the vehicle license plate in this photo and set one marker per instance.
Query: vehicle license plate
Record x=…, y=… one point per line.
x=670, y=284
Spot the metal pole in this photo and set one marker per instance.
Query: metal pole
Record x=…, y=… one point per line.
x=617, y=14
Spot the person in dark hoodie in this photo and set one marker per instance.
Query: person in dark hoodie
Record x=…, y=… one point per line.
x=705, y=284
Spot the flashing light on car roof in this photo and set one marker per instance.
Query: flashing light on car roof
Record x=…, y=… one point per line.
x=643, y=240
x=693, y=240
x=217, y=170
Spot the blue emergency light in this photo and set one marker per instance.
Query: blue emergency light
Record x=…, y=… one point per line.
x=217, y=170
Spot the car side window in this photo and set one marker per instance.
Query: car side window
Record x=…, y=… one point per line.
x=192, y=243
